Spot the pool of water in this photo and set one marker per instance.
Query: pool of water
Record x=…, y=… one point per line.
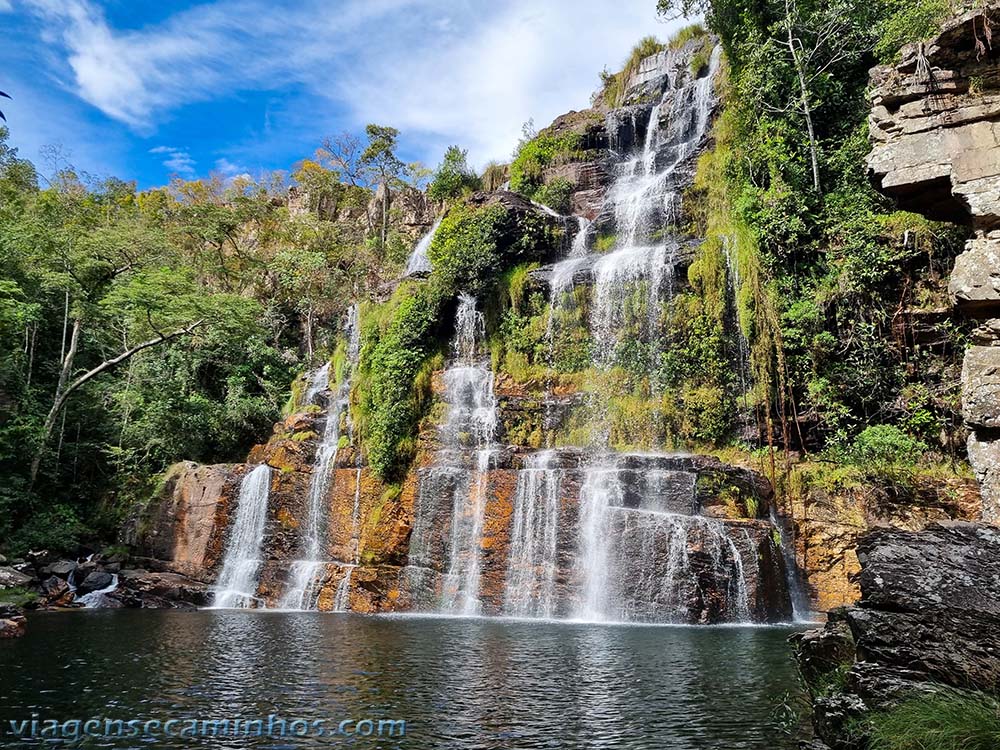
x=457, y=683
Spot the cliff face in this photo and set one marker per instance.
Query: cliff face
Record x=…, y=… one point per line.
x=935, y=127
x=928, y=617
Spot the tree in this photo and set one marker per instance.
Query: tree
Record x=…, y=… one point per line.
x=453, y=176
x=380, y=160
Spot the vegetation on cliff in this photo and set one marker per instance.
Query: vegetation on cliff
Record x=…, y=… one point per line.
x=141, y=328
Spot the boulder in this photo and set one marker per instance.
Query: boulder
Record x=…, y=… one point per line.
x=954, y=565
x=12, y=621
x=95, y=581
x=11, y=578
x=62, y=568
x=142, y=590
x=55, y=592
x=929, y=615
x=981, y=387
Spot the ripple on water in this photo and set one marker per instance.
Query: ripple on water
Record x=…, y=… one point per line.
x=469, y=683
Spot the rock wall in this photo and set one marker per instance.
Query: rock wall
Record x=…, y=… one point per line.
x=935, y=129
x=929, y=615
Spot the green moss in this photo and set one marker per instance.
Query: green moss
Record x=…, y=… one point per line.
x=604, y=241
x=17, y=596
x=301, y=437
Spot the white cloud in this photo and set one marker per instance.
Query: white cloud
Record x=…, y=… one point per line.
x=177, y=160
x=6, y=6
x=439, y=70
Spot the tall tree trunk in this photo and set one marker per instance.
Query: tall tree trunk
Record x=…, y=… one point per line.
x=64, y=389
x=803, y=95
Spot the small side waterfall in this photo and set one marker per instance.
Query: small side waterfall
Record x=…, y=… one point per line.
x=301, y=591
x=236, y=586
x=419, y=263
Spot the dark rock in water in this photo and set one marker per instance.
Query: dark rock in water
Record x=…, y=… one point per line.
x=55, y=593
x=95, y=581
x=10, y=578
x=929, y=615
x=142, y=590
x=12, y=621
x=62, y=568
x=822, y=652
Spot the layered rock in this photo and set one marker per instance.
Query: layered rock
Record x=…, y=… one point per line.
x=928, y=616
x=935, y=128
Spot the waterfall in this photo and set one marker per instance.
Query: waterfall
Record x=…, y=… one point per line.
x=96, y=599
x=637, y=544
x=419, y=263
x=472, y=417
x=460, y=472
x=300, y=592
x=531, y=567
x=319, y=381
x=644, y=199
x=237, y=583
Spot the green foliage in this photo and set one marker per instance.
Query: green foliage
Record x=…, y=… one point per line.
x=881, y=446
x=56, y=528
x=536, y=155
x=453, y=177
x=555, y=194
x=909, y=21
x=397, y=346
x=19, y=597
x=945, y=720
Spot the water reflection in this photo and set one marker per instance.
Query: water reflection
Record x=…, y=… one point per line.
x=475, y=684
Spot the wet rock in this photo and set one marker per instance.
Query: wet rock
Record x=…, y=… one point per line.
x=11, y=578
x=55, y=592
x=62, y=569
x=184, y=527
x=95, y=581
x=142, y=590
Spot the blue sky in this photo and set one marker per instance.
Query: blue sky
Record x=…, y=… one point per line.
x=144, y=90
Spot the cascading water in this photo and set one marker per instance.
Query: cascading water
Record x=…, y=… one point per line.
x=532, y=565
x=419, y=263
x=236, y=586
x=304, y=574
x=460, y=470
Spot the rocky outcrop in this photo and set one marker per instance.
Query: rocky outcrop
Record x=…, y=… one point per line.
x=935, y=128
x=185, y=525
x=929, y=615
x=12, y=622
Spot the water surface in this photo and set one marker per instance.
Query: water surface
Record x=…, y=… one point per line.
x=458, y=683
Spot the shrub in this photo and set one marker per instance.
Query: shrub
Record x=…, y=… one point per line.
x=544, y=150
x=555, y=194
x=494, y=176
x=948, y=720
x=453, y=176
x=884, y=445
x=684, y=35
